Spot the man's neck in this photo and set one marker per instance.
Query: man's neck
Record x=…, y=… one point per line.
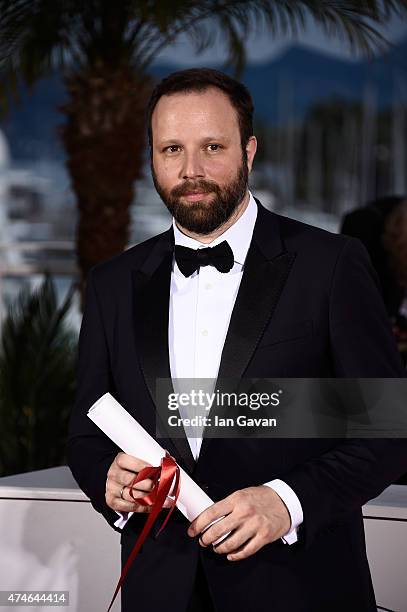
x=207, y=238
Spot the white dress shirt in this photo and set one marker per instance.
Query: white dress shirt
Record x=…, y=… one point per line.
x=200, y=309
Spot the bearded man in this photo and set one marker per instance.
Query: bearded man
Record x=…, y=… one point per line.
x=233, y=290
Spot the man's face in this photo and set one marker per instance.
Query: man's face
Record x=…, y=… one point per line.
x=198, y=166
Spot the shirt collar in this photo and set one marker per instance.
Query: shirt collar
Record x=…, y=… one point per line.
x=238, y=235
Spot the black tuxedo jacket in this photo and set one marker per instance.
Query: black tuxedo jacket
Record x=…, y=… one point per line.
x=308, y=306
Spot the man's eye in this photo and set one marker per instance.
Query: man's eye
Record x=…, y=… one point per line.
x=214, y=147
x=171, y=149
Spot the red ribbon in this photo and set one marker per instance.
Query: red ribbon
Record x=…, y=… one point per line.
x=163, y=478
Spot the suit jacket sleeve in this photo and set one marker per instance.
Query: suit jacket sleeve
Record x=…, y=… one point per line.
x=90, y=452
x=340, y=481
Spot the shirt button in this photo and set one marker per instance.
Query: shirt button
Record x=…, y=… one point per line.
x=205, y=332
x=208, y=286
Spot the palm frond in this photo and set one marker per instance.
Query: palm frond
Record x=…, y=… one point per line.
x=39, y=35
x=353, y=21
x=32, y=42
x=37, y=380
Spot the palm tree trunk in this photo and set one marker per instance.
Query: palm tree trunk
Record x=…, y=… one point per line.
x=104, y=137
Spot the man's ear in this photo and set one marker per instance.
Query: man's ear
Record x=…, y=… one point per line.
x=251, y=149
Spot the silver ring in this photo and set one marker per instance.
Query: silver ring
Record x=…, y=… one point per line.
x=121, y=492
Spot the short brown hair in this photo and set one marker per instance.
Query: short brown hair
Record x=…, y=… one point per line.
x=199, y=80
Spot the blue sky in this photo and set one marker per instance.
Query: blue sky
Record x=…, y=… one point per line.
x=260, y=46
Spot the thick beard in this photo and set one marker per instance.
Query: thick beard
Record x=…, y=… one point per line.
x=204, y=216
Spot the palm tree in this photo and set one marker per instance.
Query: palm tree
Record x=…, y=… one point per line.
x=104, y=49
x=37, y=380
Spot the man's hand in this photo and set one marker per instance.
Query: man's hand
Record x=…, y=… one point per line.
x=120, y=474
x=256, y=516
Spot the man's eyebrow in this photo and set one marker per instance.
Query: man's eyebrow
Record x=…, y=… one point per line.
x=175, y=141
x=169, y=141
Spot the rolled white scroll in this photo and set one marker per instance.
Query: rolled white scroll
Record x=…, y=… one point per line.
x=132, y=438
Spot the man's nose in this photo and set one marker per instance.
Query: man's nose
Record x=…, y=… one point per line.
x=192, y=167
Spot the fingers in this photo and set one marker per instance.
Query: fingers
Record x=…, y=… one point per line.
x=130, y=463
x=124, y=503
x=239, y=534
x=118, y=478
x=124, y=468
x=125, y=479
x=120, y=475
x=218, y=529
x=247, y=549
x=115, y=502
x=216, y=511
x=126, y=495
x=234, y=541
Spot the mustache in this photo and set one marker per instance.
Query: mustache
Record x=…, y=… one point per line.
x=196, y=186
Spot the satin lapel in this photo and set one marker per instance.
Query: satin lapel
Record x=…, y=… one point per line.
x=265, y=273
x=151, y=289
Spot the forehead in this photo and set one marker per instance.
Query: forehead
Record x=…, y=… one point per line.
x=188, y=113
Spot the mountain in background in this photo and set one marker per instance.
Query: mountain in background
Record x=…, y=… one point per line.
x=284, y=88
x=307, y=77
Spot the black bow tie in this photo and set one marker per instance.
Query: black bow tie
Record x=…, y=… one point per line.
x=189, y=260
